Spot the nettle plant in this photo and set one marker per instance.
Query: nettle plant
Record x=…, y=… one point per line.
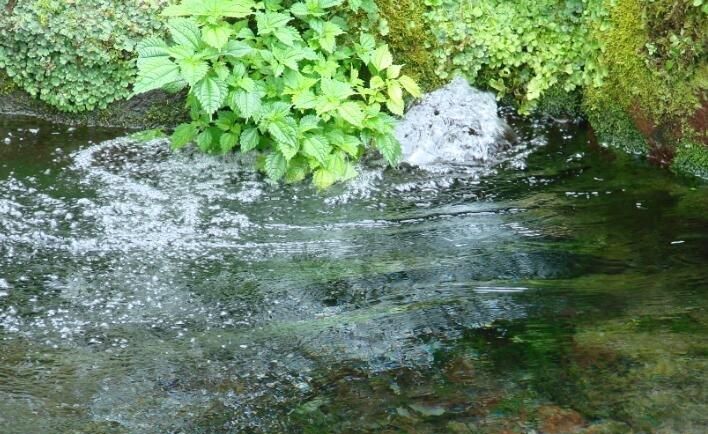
x=287, y=78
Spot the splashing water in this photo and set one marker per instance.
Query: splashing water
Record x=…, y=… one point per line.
x=456, y=124
x=146, y=291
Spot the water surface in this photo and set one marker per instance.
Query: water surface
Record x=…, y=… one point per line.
x=563, y=290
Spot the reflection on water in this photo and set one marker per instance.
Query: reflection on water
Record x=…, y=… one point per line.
x=143, y=292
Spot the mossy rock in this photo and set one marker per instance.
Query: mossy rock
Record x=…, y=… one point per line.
x=647, y=100
x=691, y=159
x=410, y=40
x=152, y=110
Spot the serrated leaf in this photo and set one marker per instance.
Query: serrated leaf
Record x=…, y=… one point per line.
x=269, y=22
x=183, y=134
x=395, y=99
x=217, y=36
x=284, y=131
x=211, y=93
x=336, y=89
x=237, y=49
x=337, y=165
x=304, y=100
x=228, y=141
x=275, y=166
x=155, y=72
x=181, y=52
x=297, y=170
x=185, y=31
x=316, y=147
x=323, y=178
x=377, y=82
x=151, y=47
x=351, y=112
x=193, y=70
x=249, y=104
x=308, y=123
x=204, y=140
x=382, y=58
x=287, y=35
x=389, y=147
x=249, y=139
x=226, y=120
x=410, y=86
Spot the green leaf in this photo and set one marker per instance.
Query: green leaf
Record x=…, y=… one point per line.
x=217, y=36
x=248, y=103
x=352, y=113
x=297, y=170
x=382, y=58
x=226, y=120
x=204, y=140
x=228, y=141
x=308, y=123
x=395, y=101
x=287, y=35
x=323, y=178
x=155, y=72
x=269, y=22
x=410, y=86
x=249, y=139
x=337, y=165
x=181, y=52
x=211, y=93
x=183, y=134
x=389, y=148
x=185, y=31
x=151, y=47
x=336, y=89
x=316, y=147
x=304, y=100
x=193, y=70
x=275, y=166
x=285, y=131
x=237, y=49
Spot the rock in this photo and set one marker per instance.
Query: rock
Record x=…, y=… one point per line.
x=456, y=124
x=557, y=420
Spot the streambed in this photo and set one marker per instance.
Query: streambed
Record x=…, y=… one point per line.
x=562, y=289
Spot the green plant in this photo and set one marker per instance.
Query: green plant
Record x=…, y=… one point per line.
x=75, y=55
x=287, y=78
x=522, y=48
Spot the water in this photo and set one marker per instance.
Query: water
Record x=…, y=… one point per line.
x=560, y=290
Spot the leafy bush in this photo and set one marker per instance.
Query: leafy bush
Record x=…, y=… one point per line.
x=76, y=55
x=290, y=79
x=523, y=48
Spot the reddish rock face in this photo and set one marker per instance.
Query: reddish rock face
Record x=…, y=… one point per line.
x=699, y=121
x=557, y=420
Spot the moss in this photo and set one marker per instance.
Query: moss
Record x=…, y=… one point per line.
x=559, y=103
x=6, y=85
x=411, y=40
x=691, y=159
x=642, y=95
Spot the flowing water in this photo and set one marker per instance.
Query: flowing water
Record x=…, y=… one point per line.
x=561, y=289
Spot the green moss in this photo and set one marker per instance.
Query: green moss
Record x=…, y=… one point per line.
x=641, y=88
x=559, y=103
x=691, y=159
x=6, y=85
x=411, y=40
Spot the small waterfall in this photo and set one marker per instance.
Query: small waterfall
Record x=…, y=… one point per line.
x=455, y=125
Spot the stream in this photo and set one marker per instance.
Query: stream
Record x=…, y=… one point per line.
x=561, y=289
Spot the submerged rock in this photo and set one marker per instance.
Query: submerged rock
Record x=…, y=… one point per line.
x=456, y=124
